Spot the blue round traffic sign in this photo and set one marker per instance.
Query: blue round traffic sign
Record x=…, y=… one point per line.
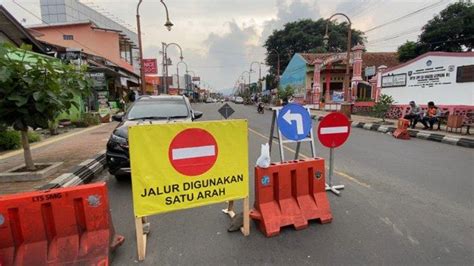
x=294, y=122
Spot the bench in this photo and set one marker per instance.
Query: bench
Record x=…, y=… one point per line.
x=443, y=118
x=468, y=124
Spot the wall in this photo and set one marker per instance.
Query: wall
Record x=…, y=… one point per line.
x=97, y=42
x=430, y=77
x=74, y=114
x=61, y=11
x=295, y=75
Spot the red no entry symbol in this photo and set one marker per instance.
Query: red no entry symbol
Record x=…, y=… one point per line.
x=193, y=152
x=334, y=130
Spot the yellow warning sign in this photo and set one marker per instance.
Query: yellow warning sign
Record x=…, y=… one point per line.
x=185, y=165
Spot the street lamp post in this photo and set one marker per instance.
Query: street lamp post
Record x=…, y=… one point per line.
x=165, y=54
x=326, y=41
x=241, y=75
x=177, y=69
x=259, y=71
x=168, y=25
x=243, y=78
x=194, y=73
x=192, y=82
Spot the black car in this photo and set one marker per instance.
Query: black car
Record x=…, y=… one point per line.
x=146, y=109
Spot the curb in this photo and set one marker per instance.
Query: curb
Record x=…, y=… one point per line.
x=463, y=142
x=83, y=173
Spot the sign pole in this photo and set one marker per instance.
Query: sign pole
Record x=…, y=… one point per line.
x=334, y=189
x=226, y=111
x=230, y=204
x=272, y=129
x=141, y=238
x=333, y=131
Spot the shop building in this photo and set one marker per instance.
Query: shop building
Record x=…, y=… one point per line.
x=109, y=60
x=73, y=11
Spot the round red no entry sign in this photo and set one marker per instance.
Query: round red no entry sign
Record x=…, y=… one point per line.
x=334, y=130
x=193, y=152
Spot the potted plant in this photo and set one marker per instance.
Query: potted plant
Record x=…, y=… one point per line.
x=382, y=107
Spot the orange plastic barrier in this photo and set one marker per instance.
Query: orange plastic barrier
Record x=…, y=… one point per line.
x=57, y=227
x=290, y=193
x=403, y=123
x=402, y=129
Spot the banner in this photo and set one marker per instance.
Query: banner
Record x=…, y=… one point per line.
x=338, y=96
x=184, y=165
x=150, y=66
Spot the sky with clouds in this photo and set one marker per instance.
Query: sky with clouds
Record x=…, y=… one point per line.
x=220, y=38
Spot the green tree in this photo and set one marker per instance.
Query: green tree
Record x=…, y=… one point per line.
x=286, y=93
x=381, y=108
x=34, y=90
x=407, y=51
x=271, y=81
x=452, y=30
x=306, y=36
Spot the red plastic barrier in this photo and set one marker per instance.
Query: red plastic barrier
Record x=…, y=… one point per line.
x=290, y=193
x=402, y=129
x=403, y=123
x=401, y=134
x=57, y=227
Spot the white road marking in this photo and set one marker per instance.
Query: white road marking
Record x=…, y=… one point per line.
x=194, y=152
x=334, y=130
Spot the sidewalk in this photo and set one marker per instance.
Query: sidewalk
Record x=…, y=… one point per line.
x=71, y=149
x=369, y=123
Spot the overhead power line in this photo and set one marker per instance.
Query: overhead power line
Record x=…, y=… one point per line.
x=406, y=16
x=395, y=36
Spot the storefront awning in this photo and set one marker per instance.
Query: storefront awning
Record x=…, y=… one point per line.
x=18, y=54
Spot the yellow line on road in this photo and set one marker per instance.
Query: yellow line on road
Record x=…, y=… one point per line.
x=50, y=141
x=353, y=179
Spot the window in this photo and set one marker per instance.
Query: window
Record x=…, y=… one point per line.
x=68, y=37
x=126, y=51
x=465, y=74
x=162, y=108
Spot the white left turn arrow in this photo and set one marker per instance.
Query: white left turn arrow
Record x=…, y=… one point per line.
x=298, y=118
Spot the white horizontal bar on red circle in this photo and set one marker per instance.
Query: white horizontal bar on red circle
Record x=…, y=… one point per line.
x=334, y=130
x=194, y=152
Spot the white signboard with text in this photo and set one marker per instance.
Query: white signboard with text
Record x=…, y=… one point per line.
x=433, y=77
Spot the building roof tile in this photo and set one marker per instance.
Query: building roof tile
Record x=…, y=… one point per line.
x=389, y=59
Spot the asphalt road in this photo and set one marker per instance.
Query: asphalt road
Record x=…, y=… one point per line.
x=405, y=202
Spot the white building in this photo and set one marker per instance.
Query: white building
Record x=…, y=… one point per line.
x=442, y=77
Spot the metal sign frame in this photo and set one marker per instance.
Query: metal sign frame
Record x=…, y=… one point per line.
x=281, y=141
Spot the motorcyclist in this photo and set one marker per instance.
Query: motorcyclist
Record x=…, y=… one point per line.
x=260, y=106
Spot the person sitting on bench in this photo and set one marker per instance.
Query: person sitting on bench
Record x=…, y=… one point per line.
x=415, y=114
x=431, y=116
